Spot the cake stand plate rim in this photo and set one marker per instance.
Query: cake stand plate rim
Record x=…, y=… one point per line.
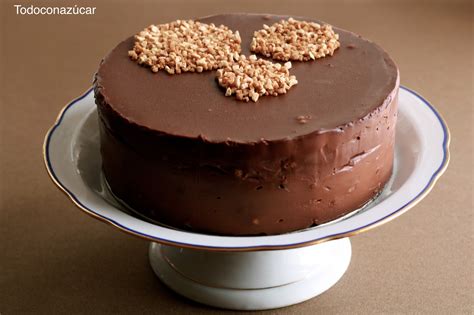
x=56, y=171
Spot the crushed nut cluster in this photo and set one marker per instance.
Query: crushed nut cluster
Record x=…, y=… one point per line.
x=250, y=77
x=191, y=46
x=303, y=119
x=184, y=46
x=295, y=40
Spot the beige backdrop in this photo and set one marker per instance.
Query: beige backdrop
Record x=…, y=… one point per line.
x=55, y=259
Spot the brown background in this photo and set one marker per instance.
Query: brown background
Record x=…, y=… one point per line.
x=54, y=259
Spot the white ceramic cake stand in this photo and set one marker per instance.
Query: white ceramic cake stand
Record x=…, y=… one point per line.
x=259, y=272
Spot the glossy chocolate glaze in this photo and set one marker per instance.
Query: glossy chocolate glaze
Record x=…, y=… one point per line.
x=179, y=151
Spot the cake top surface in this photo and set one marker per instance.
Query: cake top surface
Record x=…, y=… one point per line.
x=331, y=91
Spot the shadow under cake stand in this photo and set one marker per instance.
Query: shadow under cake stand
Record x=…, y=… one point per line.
x=251, y=272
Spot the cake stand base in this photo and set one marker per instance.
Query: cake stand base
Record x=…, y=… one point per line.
x=255, y=280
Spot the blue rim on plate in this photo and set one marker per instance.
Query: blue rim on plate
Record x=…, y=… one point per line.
x=439, y=171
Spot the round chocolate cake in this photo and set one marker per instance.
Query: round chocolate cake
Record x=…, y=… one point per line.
x=179, y=151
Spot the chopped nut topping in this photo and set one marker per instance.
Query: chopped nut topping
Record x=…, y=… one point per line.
x=295, y=40
x=184, y=46
x=250, y=77
x=238, y=173
x=303, y=119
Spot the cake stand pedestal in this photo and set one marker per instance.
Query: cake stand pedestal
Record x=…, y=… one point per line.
x=255, y=280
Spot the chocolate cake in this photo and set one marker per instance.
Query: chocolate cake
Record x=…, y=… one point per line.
x=180, y=152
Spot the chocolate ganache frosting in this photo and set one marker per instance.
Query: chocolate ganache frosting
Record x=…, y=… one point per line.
x=177, y=150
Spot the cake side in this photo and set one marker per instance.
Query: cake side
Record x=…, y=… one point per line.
x=260, y=189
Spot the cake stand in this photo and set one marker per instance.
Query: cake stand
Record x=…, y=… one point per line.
x=252, y=272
